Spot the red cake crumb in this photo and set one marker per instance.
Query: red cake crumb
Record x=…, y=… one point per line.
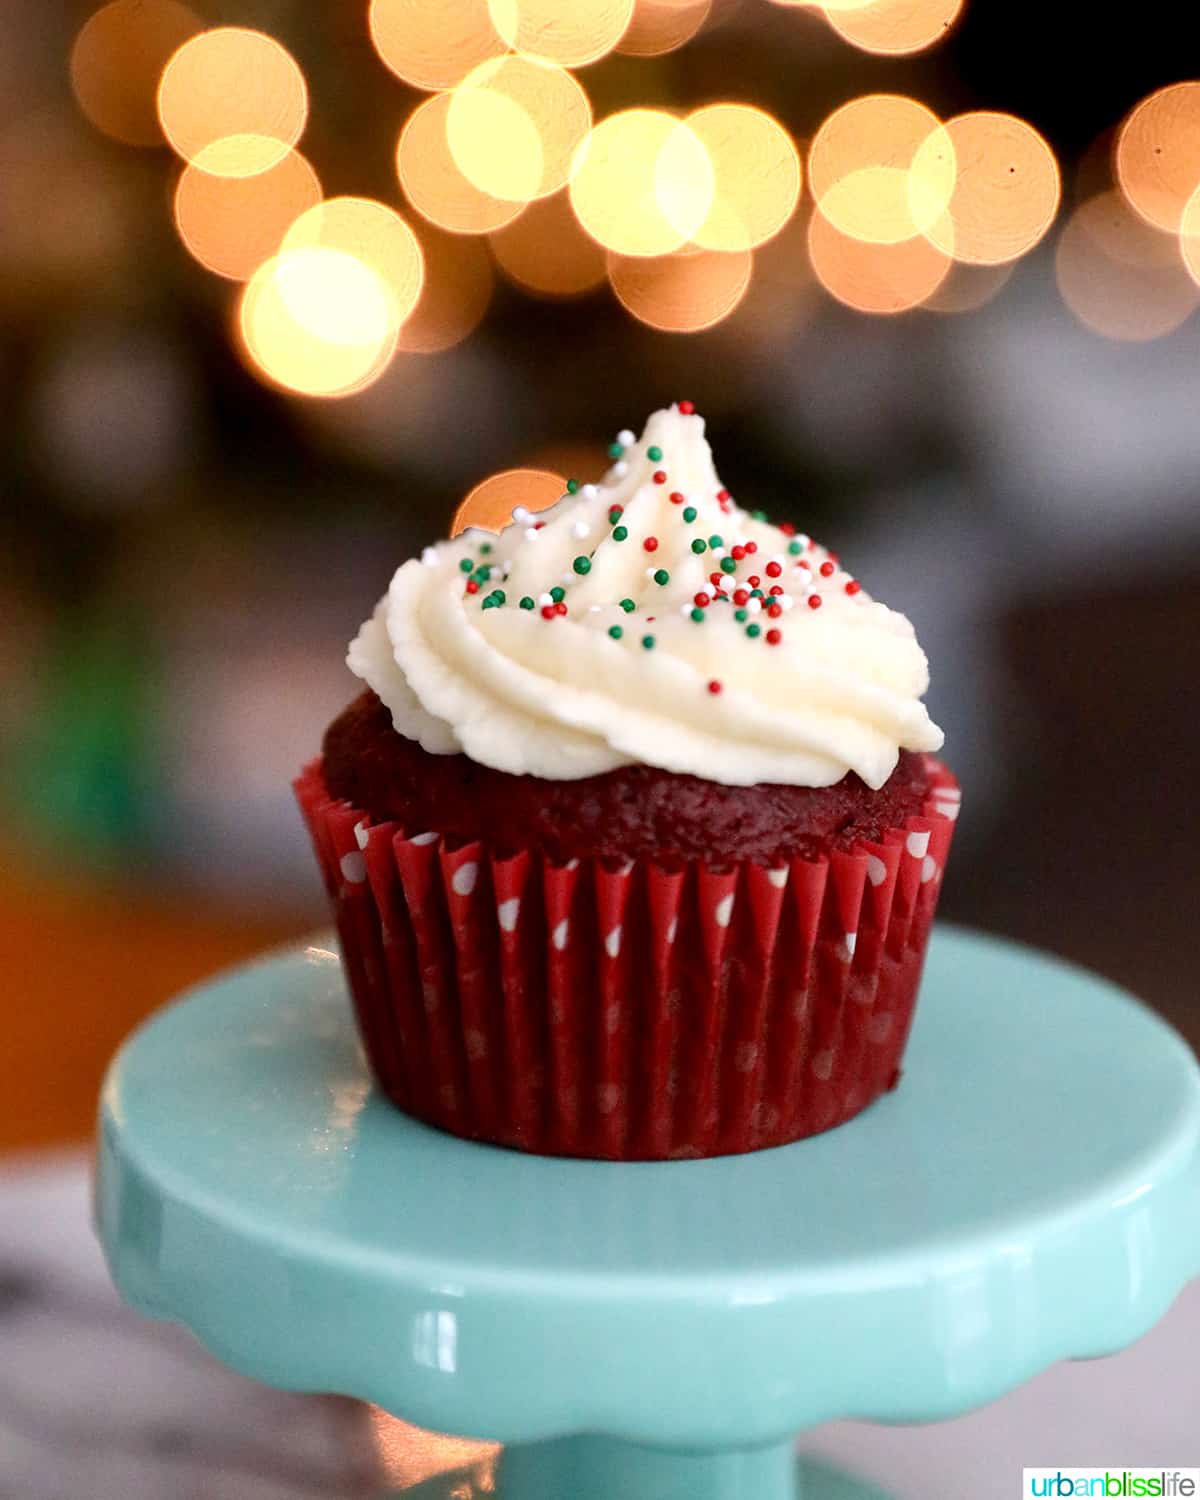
x=634, y=812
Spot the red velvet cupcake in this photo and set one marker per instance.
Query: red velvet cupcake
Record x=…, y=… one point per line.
x=635, y=839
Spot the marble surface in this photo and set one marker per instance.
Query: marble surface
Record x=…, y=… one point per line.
x=95, y=1402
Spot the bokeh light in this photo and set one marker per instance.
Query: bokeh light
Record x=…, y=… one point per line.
x=1189, y=236
x=863, y=169
x=514, y=125
x=454, y=295
x=430, y=44
x=545, y=251
x=1006, y=186
x=568, y=32
x=682, y=293
x=642, y=183
x=375, y=236
x=317, y=322
x=432, y=181
x=117, y=60
x=231, y=83
x=231, y=225
x=756, y=172
x=1119, y=275
x=968, y=288
x=875, y=276
x=491, y=503
x=894, y=27
x=1158, y=154
x=660, y=26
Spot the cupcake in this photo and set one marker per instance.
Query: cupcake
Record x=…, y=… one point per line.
x=635, y=834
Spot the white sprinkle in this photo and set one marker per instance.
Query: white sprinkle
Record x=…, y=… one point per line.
x=685, y=610
x=650, y=572
x=620, y=469
x=589, y=491
x=594, y=609
x=754, y=605
x=785, y=601
x=625, y=437
x=567, y=577
x=545, y=599
x=802, y=539
x=532, y=534
x=580, y=529
x=430, y=557
x=717, y=551
x=778, y=558
x=520, y=514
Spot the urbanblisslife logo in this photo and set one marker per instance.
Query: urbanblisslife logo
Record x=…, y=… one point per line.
x=1113, y=1484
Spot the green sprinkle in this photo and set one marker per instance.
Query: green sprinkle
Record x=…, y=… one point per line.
x=499, y=596
x=615, y=450
x=757, y=594
x=558, y=594
x=620, y=533
x=482, y=574
x=582, y=565
x=654, y=454
x=758, y=515
x=466, y=566
x=616, y=631
x=740, y=615
x=615, y=515
x=728, y=565
x=716, y=541
x=488, y=603
x=754, y=631
x=699, y=545
x=795, y=549
x=628, y=606
x=648, y=642
x=662, y=576
x=689, y=512
x=698, y=614
x=528, y=603
x=572, y=486
x=486, y=549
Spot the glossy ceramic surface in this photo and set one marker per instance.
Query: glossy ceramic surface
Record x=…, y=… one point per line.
x=1030, y=1193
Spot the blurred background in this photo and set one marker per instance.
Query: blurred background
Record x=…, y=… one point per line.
x=284, y=284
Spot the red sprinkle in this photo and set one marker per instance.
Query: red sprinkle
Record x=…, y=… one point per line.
x=677, y=497
x=548, y=611
x=716, y=579
x=826, y=570
x=472, y=587
x=814, y=601
x=741, y=596
x=537, y=525
x=617, y=510
x=787, y=528
x=773, y=570
x=686, y=408
x=751, y=548
x=651, y=544
x=701, y=599
x=714, y=687
x=737, y=553
x=773, y=637
x=774, y=610
x=754, y=580
x=853, y=586
x=776, y=588
x=560, y=608
x=660, y=476
x=723, y=495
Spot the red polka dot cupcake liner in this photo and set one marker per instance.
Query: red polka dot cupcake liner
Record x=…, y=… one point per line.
x=630, y=1013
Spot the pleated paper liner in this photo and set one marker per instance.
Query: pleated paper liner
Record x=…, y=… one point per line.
x=630, y=1013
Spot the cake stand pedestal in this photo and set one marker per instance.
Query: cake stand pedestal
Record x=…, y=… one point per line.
x=659, y=1331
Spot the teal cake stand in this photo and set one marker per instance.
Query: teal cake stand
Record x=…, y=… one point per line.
x=656, y=1331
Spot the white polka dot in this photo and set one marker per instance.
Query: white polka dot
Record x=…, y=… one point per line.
x=462, y=882
x=822, y=1064
x=672, y=929
x=362, y=833
x=947, y=810
x=917, y=844
x=745, y=1057
x=559, y=936
x=879, y=1027
x=571, y=864
x=928, y=869
x=723, y=911
x=851, y=942
x=476, y=1044
x=608, y=1096
x=876, y=869
x=353, y=867
x=423, y=838
x=508, y=911
x=778, y=878
x=612, y=943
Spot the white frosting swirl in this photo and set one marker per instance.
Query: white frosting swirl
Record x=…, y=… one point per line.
x=838, y=689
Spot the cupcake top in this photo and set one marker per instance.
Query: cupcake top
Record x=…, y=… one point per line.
x=648, y=620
